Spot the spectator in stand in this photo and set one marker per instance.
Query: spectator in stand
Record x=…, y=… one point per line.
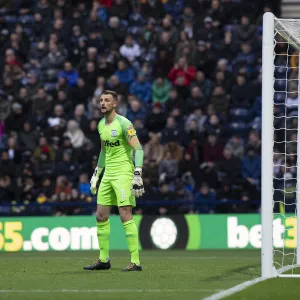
x=174, y=101
x=229, y=167
x=67, y=167
x=43, y=148
x=160, y=90
x=75, y=134
x=220, y=100
x=196, y=100
x=153, y=150
x=236, y=145
x=130, y=49
x=182, y=74
x=245, y=31
x=64, y=54
x=204, y=201
x=28, y=137
x=141, y=88
x=155, y=121
x=136, y=110
x=70, y=74
x=168, y=168
x=124, y=73
x=203, y=83
x=251, y=171
x=213, y=149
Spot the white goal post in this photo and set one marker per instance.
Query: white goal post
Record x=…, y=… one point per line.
x=280, y=187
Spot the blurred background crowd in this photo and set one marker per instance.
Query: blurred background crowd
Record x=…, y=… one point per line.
x=188, y=75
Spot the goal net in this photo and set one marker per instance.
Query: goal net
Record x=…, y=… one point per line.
x=280, y=151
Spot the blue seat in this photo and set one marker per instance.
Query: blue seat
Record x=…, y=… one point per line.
x=282, y=71
x=49, y=86
x=239, y=114
x=255, y=124
x=26, y=19
x=134, y=30
x=238, y=127
x=279, y=97
x=280, y=84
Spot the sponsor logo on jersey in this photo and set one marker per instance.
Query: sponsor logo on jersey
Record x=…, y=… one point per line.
x=130, y=131
x=111, y=144
x=113, y=133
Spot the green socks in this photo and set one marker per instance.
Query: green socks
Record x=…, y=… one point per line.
x=131, y=232
x=103, y=233
x=132, y=239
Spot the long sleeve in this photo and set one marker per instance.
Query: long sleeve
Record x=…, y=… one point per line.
x=134, y=143
x=101, y=158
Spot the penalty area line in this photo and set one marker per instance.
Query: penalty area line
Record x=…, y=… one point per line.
x=235, y=289
x=111, y=291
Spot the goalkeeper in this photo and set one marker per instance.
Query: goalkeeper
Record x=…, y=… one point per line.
x=121, y=182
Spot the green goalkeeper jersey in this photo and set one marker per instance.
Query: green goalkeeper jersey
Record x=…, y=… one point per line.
x=116, y=147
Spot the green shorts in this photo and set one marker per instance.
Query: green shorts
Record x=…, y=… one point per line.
x=116, y=192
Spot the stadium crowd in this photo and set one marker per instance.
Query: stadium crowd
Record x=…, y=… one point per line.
x=188, y=75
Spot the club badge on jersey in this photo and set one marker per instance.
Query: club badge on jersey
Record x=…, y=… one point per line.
x=113, y=133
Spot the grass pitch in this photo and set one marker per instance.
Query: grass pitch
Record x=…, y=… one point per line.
x=166, y=275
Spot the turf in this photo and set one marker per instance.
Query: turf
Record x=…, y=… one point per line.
x=273, y=289
x=166, y=275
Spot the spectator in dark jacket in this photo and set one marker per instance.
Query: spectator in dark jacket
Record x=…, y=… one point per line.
x=156, y=120
x=251, y=166
x=213, y=149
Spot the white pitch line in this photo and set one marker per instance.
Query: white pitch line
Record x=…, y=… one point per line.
x=234, y=289
x=110, y=291
x=144, y=258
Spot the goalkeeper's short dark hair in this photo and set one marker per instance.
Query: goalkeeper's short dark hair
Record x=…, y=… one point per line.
x=109, y=92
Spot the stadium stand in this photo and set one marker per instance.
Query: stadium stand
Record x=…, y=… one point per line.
x=188, y=75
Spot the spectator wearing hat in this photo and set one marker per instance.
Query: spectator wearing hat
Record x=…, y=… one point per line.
x=208, y=32
x=141, y=88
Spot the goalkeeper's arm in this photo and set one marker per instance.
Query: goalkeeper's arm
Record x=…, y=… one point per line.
x=137, y=182
x=98, y=170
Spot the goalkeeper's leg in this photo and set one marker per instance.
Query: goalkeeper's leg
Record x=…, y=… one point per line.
x=103, y=233
x=106, y=198
x=132, y=238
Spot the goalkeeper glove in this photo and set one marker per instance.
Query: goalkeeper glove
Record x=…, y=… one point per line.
x=137, y=183
x=94, y=180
